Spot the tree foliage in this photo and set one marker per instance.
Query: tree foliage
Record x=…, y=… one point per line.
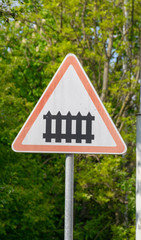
x=35, y=36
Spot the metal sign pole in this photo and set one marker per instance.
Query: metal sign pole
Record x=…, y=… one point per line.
x=138, y=164
x=69, y=182
x=138, y=179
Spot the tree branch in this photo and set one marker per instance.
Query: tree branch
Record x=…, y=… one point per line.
x=106, y=66
x=101, y=231
x=82, y=20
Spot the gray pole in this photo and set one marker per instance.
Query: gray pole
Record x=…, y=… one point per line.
x=138, y=165
x=138, y=179
x=69, y=182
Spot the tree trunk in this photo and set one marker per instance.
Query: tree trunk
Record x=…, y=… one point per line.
x=106, y=67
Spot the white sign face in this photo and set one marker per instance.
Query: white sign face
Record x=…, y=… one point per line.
x=69, y=117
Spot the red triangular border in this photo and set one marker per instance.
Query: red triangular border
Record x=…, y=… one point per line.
x=70, y=59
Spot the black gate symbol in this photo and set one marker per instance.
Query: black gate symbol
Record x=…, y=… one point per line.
x=68, y=135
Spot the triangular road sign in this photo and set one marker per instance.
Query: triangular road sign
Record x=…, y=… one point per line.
x=69, y=117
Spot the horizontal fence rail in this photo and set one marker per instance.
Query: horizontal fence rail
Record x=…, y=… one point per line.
x=67, y=134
